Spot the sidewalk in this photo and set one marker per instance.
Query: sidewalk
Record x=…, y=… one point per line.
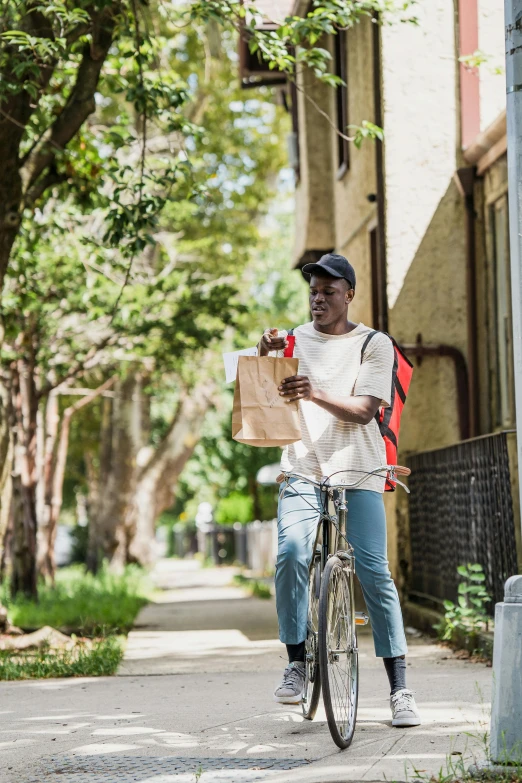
x=193, y=702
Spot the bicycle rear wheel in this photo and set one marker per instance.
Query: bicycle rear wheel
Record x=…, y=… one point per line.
x=312, y=686
x=338, y=660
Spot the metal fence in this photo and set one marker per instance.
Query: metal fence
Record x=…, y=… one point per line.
x=461, y=512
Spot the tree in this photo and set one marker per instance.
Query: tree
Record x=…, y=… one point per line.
x=60, y=321
x=58, y=55
x=275, y=295
x=103, y=137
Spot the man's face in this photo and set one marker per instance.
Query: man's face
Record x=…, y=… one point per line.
x=329, y=299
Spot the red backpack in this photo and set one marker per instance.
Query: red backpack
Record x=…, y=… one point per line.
x=388, y=419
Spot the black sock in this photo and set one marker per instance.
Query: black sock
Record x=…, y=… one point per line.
x=396, y=671
x=296, y=652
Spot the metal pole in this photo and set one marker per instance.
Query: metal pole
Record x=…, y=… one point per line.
x=506, y=710
x=513, y=20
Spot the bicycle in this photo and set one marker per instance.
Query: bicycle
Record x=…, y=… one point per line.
x=331, y=655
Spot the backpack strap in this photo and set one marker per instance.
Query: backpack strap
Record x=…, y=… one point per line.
x=365, y=344
x=383, y=418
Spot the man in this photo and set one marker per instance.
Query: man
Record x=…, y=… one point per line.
x=338, y=398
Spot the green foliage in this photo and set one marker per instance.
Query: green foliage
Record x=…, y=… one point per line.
x=478, y=59
x=469, y=615
x=275, y=295
x=235, y=508
x=106, y=603
x=99, y=659
x=294, y=42
x=123, y=56
x=256, y=587
x=365, y=131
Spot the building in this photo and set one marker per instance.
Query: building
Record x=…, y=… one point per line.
x=423, y=218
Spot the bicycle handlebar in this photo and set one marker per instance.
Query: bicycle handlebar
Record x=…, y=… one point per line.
x=391, y=472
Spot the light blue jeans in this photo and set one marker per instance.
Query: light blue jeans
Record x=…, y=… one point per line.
x=297, y=526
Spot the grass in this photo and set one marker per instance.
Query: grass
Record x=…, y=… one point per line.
x=256, y=587
x=81, y=603
x=97, y=660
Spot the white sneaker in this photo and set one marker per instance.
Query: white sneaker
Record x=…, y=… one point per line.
x=291, y=689
x=404, y=710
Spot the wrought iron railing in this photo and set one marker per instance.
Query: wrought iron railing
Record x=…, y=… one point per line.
x=461, y=511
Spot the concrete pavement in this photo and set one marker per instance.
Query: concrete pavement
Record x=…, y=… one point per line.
x=193, y=702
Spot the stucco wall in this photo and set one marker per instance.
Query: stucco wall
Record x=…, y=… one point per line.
x=432, y=302
x=357, y=252
x=315, y=220
x=352, y=208
x=421, y=129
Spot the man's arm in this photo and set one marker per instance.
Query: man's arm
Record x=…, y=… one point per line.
x=358, y=410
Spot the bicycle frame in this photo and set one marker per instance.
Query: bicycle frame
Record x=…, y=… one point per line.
x=331, y=654
x=331, y=529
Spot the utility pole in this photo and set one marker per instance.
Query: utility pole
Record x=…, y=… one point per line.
x=513, y=21
x=506, y=705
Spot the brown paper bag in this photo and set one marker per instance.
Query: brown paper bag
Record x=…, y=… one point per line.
x=260, y=416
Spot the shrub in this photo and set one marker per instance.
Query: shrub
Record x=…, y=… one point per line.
x=235, y=508
x=468, y=616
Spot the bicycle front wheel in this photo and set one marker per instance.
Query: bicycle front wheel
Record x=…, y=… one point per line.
x=312, y=686
x=338, y=660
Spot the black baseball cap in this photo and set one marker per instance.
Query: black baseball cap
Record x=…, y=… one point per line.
x=334, y=265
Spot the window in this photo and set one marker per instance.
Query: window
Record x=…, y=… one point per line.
x=502, y=364
x=341, y=99
x=378, y=283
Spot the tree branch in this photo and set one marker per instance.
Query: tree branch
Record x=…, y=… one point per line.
x=52, y=177
x=77, y=368
x=93, y=393
x=81, y=102
x=163, y=447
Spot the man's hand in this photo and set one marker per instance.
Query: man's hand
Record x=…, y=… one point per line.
x=298, y=387
x=271, y=342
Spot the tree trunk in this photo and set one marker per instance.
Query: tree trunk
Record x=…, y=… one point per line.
x=53, y=476
x=117, y=489
x=98, y=471
x=6, y=463
x=6, y=486
x=45, y=489
x=25, y=409
x=10, y=191
x=158, y=478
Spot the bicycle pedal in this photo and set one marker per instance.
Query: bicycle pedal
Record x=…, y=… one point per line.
x=361, y=618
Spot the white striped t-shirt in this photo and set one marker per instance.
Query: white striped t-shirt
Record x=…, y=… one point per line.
x=333, y=364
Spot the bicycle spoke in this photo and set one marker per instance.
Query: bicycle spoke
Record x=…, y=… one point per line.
x=312, y=676
x=341, y=672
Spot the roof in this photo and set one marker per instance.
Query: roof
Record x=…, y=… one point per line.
x=273, y=10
